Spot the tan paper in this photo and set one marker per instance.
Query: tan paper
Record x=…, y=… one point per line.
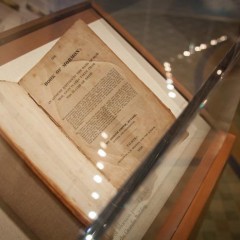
x=112, y=117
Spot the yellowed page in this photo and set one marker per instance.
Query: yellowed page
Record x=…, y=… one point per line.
x=111, y=116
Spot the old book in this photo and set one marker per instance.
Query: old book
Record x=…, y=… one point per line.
x=82, y=120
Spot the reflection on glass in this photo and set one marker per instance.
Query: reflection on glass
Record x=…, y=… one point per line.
x=213, y=42
x=223, y=38
x=197, y=49
x=203, y=46
x=170, y=86
x=180, y=56
x=167, y=66
x=103, y=145
x=95, y=195
x=102, y=153
x=104, y=135
x=100, y=165
x=202, y=105
x=172, y=94
x=97, y=179
x=89, y=237
x=92, y=215
x=168, y=75
x=186, y=53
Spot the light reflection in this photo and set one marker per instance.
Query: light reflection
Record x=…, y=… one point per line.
x=168, y=75
x=103, y=145
x=170, y=86
x=104, y=135
x=168, y=69
x=92, y=215
x=186, y=53
x=197, y=49
x=203, y=46
x=97, y=179
x=223, y=38
x=219, y=72
x=180, y=56
x=191, y=48
x=95, y=195
x=100, y=165
x=172, y=94
x=169, y=81
x=166, y=64
x=213, y=42
x=102, y=153
x=202, y=105
x=89, y=237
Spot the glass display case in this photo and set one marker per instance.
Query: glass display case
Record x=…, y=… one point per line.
x=116, y=126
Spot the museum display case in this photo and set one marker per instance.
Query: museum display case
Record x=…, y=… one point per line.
x=115, y=119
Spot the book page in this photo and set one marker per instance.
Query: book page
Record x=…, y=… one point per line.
x=112, y=117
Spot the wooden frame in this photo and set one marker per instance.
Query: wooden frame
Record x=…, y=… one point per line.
x=192, y=200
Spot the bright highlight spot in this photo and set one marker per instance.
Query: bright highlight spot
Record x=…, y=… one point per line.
x=97, y=179
x=100, y=165
x=219, y=72
x=104, y=135
x=170, y=86
x=186, y=53
x=202, y=105
x=103, y=145
x=223, y=38
x=166, y=64
x=197, y=49
x=92, y=215
x=89, y=237
x=172, y=94
x=213, y=42
x=169, y=81
x=203, y=46
x=102, y=153
x=168, y=75
x=95, y=195
x=168, y=69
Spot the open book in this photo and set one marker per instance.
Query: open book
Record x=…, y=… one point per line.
x=82, y=120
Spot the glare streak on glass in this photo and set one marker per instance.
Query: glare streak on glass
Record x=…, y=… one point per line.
x=202, y=105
